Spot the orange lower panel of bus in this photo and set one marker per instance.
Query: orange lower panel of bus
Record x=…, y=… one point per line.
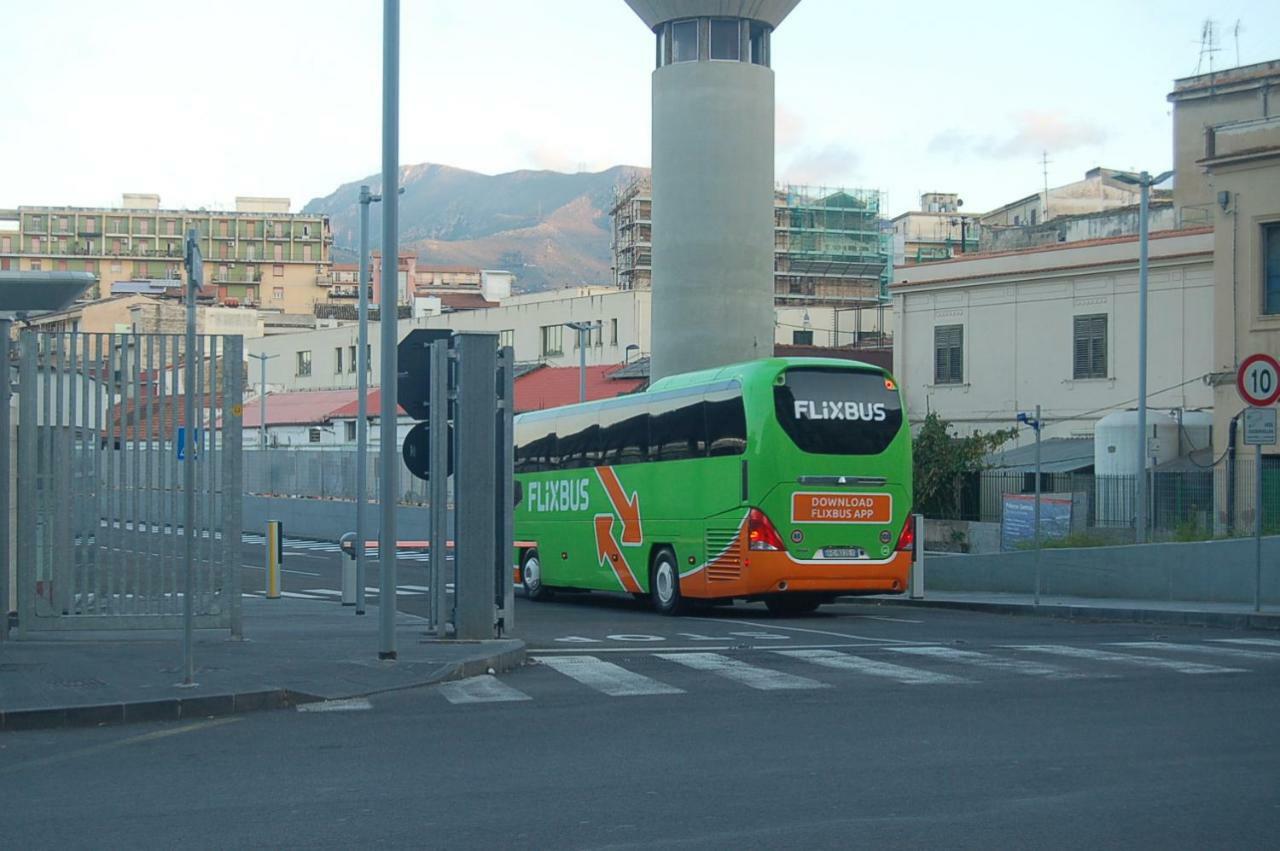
x=773, y=572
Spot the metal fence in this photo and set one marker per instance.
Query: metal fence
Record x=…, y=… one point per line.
x=322, y=473
x=101, y=443
x=1188, y=504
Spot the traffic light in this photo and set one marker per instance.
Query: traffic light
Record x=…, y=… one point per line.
x=413, y=393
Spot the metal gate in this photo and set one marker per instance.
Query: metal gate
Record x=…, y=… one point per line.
x=101, y=443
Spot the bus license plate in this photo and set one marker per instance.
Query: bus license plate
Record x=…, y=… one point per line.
x=843, y=552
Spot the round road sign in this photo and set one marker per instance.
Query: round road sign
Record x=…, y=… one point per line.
x=1259, y=380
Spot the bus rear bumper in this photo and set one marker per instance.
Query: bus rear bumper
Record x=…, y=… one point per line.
x=771, y=573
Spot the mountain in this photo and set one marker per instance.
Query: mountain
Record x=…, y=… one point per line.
x=549, y=228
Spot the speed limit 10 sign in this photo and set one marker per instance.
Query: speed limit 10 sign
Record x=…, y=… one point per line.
x=1259, y=380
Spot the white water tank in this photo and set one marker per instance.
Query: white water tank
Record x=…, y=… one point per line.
x=1115, y=460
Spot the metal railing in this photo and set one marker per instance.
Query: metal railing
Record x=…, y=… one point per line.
x=320, y=473
x=1217, y=501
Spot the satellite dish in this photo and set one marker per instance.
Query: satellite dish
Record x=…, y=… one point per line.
x=959, y=202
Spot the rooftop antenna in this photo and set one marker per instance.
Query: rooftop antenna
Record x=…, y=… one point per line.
x=1044, y=167
x=1235, y=32
x=1208, y=44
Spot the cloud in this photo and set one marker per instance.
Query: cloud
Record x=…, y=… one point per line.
x=788, y=127
x=832, y=165
x=1030, y=132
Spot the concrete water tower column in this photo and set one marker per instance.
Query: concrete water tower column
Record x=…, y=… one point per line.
x=713, y=113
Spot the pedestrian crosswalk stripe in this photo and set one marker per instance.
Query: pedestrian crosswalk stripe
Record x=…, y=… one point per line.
x=1230, y=652
x=607, y=677
x=849, y=662
x=1256, y=642
x=764, y=679
x=482, y=689
x=1125, y=658
x=983, y=660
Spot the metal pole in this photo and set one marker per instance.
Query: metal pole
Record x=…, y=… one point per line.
x=5, y=473
x=1140, y=530
x=262, y=413
x=582, y=365
x=1257, y=529
x=362, y=404
x=438, y=487
x=387, y=454
x=1037, y=510
x=189, y=472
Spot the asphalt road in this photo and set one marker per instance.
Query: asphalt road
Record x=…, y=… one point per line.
x=862, y=725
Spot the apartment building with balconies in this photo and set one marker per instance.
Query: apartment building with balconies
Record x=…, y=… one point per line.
x=259, y=254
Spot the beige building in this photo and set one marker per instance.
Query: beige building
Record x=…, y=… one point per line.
x=937, y=231
x=260, y=254
x=110, y=315
x=1241, y=169
x=534, y=325
x=1206, y=101
x=1098, y=191
x=981, y=337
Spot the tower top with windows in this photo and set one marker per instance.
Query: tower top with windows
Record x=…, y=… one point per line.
x=712, y=30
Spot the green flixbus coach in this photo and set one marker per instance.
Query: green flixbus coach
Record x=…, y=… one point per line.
x=786, y=480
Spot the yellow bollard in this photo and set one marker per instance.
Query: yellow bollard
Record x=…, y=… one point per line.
x=275, y=557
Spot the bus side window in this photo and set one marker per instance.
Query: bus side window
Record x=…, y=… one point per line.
x=535, y=447
x=677, y=430
x=726, y=422
x=579, y=440
x=624, y=436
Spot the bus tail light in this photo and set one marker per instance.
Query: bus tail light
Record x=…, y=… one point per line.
x=761, y=533
x=907, y=540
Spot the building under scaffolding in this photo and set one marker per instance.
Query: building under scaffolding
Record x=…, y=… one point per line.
x=829, y=247
x=829, y=244
x=632, y=235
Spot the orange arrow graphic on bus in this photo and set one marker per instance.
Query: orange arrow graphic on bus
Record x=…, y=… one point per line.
x=628, y=509
x=607, y=551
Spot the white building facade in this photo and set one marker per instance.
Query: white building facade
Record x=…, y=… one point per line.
x=980, y=338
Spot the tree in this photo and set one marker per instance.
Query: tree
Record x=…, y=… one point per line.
x=945, y=463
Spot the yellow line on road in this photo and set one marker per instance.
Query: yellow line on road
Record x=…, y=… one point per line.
x=120, y=743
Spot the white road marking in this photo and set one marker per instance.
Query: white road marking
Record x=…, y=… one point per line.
x=862, y=665
x=297, y=596
x=803, y=629
x=764, y=679
x=414, y=587
x=482, y=689
x=282, y=570
x=353, y=704
x=1230, y=652
x=982, y=660
x=1256, y=642
x=1125, y=659
x=607, y=677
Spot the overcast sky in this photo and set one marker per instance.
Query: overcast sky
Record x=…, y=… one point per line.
x=201, y=102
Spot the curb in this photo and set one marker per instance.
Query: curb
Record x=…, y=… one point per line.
x=213, y=705
x=1173, y=617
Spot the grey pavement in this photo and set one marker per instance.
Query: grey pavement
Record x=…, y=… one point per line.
x=293, y=651
x=1181, y=612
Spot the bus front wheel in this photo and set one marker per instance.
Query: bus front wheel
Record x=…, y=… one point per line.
x=664, y=582
x=531, y=577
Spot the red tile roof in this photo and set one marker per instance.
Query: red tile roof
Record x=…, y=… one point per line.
x=373, y=406
x=304, y=407
x=553, y=386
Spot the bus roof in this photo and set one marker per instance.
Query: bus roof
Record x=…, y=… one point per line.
x=748, y=369
x=741, y=373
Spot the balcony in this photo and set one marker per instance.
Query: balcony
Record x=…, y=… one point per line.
x=324, y=280
x=237, y=276
x=344, y=292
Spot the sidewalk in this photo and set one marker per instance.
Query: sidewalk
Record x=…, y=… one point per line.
x=1179, y=612
x=294, y=651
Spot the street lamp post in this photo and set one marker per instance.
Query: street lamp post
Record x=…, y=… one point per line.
x=1144, y=181
x=362, y=391
x=583, y=328
x=262, y=400
x=387, y=454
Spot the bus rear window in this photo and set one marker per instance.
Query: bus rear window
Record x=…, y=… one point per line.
x=836, y=411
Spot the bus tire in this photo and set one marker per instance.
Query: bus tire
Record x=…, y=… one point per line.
x=664, y=582
x=531, y=577
x=785, y=605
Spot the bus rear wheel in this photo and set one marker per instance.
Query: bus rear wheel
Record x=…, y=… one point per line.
x=664, y=582
x=784, y=605
x=531, y=577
